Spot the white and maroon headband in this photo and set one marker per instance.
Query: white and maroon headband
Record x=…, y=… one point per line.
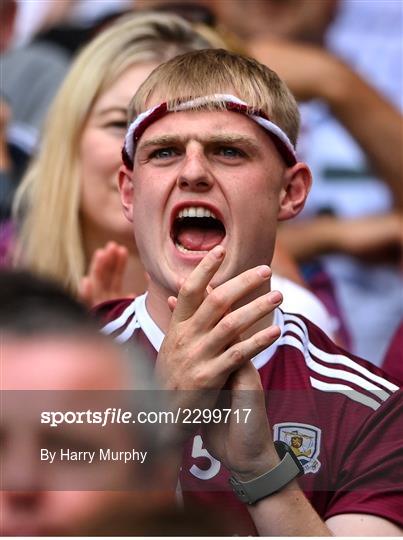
x=231, y=103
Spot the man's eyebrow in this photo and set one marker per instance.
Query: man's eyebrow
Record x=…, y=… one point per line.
x=224, y=139
x=233, y=138
x=162, y=140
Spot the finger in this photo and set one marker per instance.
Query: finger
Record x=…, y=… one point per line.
x=105, y=265
x=243, y=351
x=222, y=298
x=93, y=262
x=235, y=323
x=192, y=292
x=172, y=300
x=119, y=269
x=97, y=283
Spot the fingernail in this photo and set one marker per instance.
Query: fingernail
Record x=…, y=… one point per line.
x=218, y=252
x=275, y=297
x=264, y=271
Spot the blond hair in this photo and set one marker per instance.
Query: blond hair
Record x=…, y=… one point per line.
x=48, y=199
x=218, y=71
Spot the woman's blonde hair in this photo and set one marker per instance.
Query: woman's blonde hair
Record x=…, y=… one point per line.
x=218, y=71
x=48, y=200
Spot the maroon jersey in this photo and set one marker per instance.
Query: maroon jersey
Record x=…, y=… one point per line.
x=340, y=415
x=393, y=362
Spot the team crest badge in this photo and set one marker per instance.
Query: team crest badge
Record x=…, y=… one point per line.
x=304, y=441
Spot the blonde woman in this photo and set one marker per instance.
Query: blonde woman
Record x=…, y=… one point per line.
x=69, y=200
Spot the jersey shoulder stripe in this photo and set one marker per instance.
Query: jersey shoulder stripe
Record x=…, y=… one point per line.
x=337, y=372
x=120, y=321
x=120, y=317
x=128, y=318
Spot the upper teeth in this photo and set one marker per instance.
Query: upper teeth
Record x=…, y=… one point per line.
x=196, y=211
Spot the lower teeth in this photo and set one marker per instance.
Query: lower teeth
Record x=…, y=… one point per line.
x=185, y=250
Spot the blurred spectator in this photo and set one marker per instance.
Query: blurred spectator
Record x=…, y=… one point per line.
x=40, y=62
x=39, y=68
x=74, y=175
x=52, y=355
x=37, y=16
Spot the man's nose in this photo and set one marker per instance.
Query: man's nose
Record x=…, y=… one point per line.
x=195, y=173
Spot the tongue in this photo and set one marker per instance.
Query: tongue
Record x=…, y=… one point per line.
x=196, y=239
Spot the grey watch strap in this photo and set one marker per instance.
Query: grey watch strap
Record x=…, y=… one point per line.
x=268, y=483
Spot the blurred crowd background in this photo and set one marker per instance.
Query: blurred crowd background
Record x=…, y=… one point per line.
x=339, y=263
x=342, y=59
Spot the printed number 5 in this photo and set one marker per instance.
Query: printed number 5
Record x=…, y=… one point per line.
x=199, y=451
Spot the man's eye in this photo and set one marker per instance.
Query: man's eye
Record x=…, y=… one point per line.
x=229, y=151
x=164, y=153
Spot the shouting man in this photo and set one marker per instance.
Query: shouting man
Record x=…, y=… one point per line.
x=209, y=169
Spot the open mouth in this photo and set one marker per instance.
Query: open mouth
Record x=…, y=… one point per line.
x=196, y=229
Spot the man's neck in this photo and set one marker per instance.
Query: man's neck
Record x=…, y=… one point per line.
x=157, y=306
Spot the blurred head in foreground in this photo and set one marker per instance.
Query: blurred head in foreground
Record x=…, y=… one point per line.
x=54, y=359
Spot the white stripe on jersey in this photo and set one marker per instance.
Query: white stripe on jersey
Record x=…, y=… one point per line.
x=347, y=391
x=303, y=344
x=334, y=358
x=151, y=330
x=135, y=316
x=345, y=376
x=114, y=325
x=128, y=331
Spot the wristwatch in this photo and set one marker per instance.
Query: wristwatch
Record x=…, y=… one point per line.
x=272, y=481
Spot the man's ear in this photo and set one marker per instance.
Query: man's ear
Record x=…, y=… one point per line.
x=126, y=191
x=296, y=185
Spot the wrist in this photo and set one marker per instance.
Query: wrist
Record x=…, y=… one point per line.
x=322, y=78
x=330, y=233
x=256, y=468
x=272, y=481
